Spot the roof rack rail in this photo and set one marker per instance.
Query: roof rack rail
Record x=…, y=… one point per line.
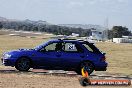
x=69, y=39
x=72, y=39
x=80, y=39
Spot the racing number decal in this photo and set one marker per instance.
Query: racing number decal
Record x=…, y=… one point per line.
x=71, y=47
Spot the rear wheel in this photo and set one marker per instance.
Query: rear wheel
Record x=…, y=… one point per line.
x=23, y=64
x=86, y=64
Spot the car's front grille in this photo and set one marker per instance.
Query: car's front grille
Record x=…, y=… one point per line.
x=4, y=61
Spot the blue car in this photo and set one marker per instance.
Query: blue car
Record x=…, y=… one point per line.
x=58, y=54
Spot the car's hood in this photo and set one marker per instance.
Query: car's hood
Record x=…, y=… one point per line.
x=23, y=51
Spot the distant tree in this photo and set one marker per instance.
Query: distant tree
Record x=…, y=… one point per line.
x=110, y=34
x=1, y=25
x=119, y=31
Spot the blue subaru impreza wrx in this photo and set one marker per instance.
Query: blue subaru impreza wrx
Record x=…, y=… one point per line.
x=58, y=54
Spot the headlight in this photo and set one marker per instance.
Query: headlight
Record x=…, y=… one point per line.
x=7, y=56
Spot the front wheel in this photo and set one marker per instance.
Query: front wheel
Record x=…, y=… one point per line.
x=23, y=64
x=88, y=65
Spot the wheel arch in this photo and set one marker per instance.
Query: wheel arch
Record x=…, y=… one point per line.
x=78, y=69
x=86, y=61
x=25, y=57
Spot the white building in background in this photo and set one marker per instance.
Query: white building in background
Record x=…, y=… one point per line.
x=124, y=39
x=75, y=34
x=128, y=37
x=98, y=32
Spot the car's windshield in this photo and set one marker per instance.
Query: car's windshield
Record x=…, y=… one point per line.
x=40, y=46
x=91, y=47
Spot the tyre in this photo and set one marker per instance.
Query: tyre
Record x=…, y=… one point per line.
x=23, y=64
x=86, y=64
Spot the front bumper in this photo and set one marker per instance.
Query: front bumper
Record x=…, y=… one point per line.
x=8, y=62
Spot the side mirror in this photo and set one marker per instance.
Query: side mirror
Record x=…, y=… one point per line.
x=104, y=53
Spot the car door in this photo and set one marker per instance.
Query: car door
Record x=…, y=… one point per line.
x=50, y=55
x=72, y=55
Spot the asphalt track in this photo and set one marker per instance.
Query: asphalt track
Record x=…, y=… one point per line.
x=63, y=73
x=67, y=76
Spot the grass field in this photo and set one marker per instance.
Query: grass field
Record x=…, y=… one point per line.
x=119, y=56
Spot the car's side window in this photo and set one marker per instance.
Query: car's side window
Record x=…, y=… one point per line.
x=53, y=47
x=88, y=47
x=72, y=47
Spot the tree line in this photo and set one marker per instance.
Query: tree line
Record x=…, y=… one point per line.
x=118, y=32
x=55, y=29
x=115, y=32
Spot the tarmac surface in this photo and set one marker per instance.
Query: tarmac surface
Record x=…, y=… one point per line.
x=39, y=78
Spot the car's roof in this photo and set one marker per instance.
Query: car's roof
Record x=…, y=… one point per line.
x=66, y=40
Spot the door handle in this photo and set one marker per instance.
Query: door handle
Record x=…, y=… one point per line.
x=82, y=56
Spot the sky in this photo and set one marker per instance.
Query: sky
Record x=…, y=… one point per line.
x=118, y=12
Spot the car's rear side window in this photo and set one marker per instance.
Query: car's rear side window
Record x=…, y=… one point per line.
x=91, y=47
